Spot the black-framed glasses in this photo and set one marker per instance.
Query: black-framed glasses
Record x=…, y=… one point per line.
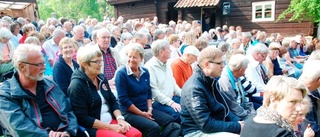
x=34, y=64
x=98, y=62
x=218, y=63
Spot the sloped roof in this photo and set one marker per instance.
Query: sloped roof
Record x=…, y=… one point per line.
x=195, y=3
x=15, y=4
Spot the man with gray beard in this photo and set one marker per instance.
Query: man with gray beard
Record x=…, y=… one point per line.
x=31, y=105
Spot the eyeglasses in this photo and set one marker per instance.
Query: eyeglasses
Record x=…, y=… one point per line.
x=218, y=63
x=34, y=64
x=98, y=62
x=263, y=55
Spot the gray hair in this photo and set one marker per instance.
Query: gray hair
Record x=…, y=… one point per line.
x=7, y=18
x=77, y=28
x=97, y=27
x=246, y=35
x=223, y=46
x=21, y=20
x=5, y=33
x=238, y=61
x=125, y=36
x=235, y=40
x=144, y=30
x=260, y=48
x=102, y=31
x=158, y=46
x=94, y=35
x=114, y=28
x=57, y=33
x=22, y=52
x=41, y=23
x=167, y=30
x=32, y=40
x=139, y=35
x=311, y=71
x=157, y=32
x=86, y=53
x=137, y=48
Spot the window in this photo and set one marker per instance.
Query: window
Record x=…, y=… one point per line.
x=263, y=11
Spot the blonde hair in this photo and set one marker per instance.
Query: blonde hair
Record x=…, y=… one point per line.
x=190, y=38
x=67, y=40
x=208, y=54
x=279, y=87
x=173, y=38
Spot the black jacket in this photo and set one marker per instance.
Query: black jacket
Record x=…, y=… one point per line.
x=203, y=107
x=62, y=73
x=85, y=100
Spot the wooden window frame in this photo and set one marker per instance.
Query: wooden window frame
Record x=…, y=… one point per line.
x=263, y=11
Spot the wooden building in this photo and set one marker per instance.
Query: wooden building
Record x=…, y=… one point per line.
x=20, y=8
x=250, y=14
x=133, y=9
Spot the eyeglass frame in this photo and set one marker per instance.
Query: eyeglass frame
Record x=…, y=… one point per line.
x=98, y=62
x=34, y=64
x=218, y=63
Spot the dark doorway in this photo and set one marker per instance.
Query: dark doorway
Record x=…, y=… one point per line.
x=208, y=19
x=172, y=13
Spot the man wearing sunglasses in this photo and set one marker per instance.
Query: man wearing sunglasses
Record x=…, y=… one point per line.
x=204, y=110
x=31, y=105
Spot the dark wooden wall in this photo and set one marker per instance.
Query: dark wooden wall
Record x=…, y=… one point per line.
x=241, y=14
x=134, y=10
x=163, y=9
x=144, y=9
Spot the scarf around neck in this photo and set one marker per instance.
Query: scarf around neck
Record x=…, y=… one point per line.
x=272, y=115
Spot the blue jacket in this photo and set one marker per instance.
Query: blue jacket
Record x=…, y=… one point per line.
x=62, y=73
x=203, y=107
x=20, y=113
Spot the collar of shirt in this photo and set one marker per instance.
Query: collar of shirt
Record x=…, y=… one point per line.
x=52, y=42
x=253, y=62
x=108, y=51
x=130, y=72
x=160, y=64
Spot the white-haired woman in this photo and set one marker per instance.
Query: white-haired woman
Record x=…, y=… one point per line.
x=6, y=51
x=93, y=102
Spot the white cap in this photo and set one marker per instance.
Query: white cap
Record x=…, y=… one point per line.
x=191, y=50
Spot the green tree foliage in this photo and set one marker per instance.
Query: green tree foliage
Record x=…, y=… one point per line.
x=74, y=9
x=302, y=10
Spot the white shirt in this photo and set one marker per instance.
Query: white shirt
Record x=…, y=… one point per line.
x=174, y=54
x=163, y=84
x=105, y=115
x=51, y=48
x=253, y=73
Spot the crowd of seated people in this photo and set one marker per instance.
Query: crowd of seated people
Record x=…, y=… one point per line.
x=139, y=77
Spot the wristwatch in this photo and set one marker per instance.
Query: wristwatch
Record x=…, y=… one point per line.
x=120, y=117
x=150, y=108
